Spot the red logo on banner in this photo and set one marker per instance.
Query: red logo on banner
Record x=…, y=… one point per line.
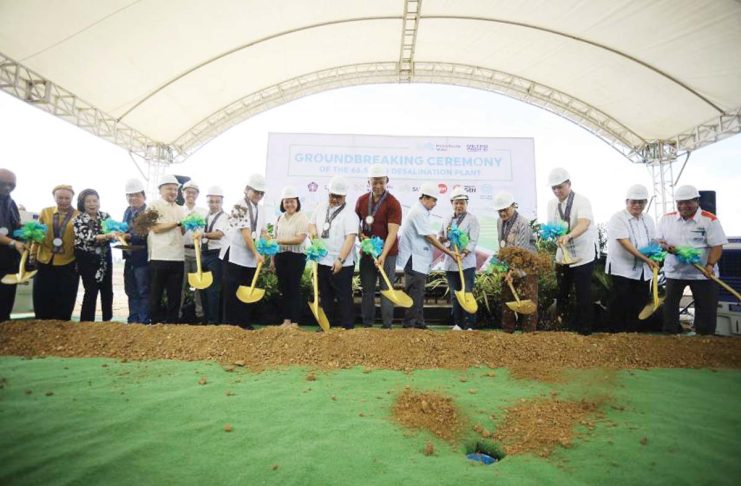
x=443, y=188
x=313, y=186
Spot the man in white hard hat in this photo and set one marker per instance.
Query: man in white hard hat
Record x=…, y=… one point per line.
x=380, y=215
x=514, y=231
x=581, y=242
x=691, y=226
x=10, y=248
x=630, y=271
x=217, y=225
x=165, y=242
x=136, y=264
x=191, y=192
x=418, y=238
x=337, y=225
x=247, y=223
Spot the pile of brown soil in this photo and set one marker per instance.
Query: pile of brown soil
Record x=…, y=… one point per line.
x=407, y=350
x=429, y=411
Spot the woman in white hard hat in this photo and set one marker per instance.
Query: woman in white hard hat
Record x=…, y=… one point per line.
x=468, y=223
x=337, y=225
x=55, y=286
x=513, y=230
x=691, y=226
x=191, y=191
x=418, y=238
x=629, y=269
x=212, y=241
x=248, y=222
x=291, y=230
x=136, y=264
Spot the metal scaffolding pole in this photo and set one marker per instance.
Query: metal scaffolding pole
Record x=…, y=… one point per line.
x=659, y=157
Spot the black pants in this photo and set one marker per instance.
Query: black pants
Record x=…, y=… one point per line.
x=165, y=277
x=9, y=259
x=87, y=266
x=629, y=296
x=414, y=285
x=705, y=293
x=289, y=267
x=335, y=295
x=55, y=291
x=581, y=278
x=211, y=296
x=235, y=311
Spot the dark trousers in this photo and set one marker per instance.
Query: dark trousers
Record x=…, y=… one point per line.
x=9, y=259
x=136, y=286
x=165, y=277
x=335, y=295
x=211, y=296
x=705, y=293
x=461, y=318
x=87, y=266
x=527, y=289
x=629, y=296
x=289, y=267
x=235, y=311
x=369, y=277
x=414, y=286
x=581, y=278
x=55, y=291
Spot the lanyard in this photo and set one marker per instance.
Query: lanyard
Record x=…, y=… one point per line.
x=506, y=228
x=328, y=220
x=59, y=230
x=634, y=238
x=458, y=220
x=372, y=209
x=213, y=221
x=253, y=221
x=566, y=215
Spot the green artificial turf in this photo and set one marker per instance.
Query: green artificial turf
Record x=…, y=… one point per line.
x=100, y=421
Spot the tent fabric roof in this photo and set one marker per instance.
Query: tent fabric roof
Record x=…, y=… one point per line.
x=178, y=73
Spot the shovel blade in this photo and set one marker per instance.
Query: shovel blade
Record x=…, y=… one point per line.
x=319, y=315
x=523, y=307
x=200, y=280
x=649, y=309
x=249, y=297
x=467, y=301
x=398, y=297
x=10, y=279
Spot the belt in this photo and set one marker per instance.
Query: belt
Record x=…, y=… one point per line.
x=211, y=252
x=192, y=247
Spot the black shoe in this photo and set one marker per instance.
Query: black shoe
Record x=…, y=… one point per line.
x=247, y=327
x=420, y=326
x=367, y=325
x=407, y=326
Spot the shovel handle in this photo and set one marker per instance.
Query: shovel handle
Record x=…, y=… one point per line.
x=460, y=270
x=720, y=282
x=315, y=282
x=655, y=285
x=514, y=292
x=254, y=278
x=197, y=245
x=383, y=274
x=22, y=264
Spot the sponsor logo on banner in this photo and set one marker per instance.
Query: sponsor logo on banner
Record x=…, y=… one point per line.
x=469, y=189
x=312, y=186
x=472, y=147
x=487, y=189
x=443, y=188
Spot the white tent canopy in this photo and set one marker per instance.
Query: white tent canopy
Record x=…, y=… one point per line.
x=163, y=77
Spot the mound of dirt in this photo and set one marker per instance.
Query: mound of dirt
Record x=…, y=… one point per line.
x=429, y=411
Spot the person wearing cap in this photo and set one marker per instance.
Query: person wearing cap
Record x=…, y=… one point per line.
x=337, y=225
x=514, y=231
x=380, y=215
x=190, y=194
x=291, y=230
x=217, y=225
x=581, y=242
x=55, y=285
x=630, y=271
x=468, y=223
x=10, y=249
x=691, y=226
x=165, y=244
x=247, y=222
x=136, y=264
x=418, y=238
x=93, y=256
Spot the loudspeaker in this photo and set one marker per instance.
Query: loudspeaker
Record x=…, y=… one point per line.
x=707, y=201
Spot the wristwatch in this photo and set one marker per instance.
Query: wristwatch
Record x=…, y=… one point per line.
x=341, y=260
x=11, y=243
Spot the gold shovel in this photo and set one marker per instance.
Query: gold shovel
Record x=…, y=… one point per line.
x=719, y=282
x=656, y=302
x=200, y=279
x=316, y=309
x=520, y=306
x=567, y=258
x=22, y=276
x=398, y=297
x=465, y=299
x=250, y=295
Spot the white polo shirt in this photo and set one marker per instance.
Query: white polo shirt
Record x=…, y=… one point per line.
x=221, y=224
x=701, y=231
x=167, y=246
x=640, y=231
x=188, y=236
x=344, y=223
x=470, y=225
x=239, y=218
x=418, y=224
x=583, y=248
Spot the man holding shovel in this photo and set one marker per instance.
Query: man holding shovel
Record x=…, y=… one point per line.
x=380, y=215
x=10, y=249
x=190, y=193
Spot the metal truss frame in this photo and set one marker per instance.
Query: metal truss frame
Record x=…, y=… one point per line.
x=409, y=27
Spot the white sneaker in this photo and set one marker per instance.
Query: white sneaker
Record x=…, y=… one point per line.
x=457, y=328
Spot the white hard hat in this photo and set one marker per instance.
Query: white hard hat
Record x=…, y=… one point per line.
x=558, y=176
x=637, y=192
x=288, y=192
x=168, y=179
x=430, y=189
x=134, y=186
x=256, y=182
x=685, y=193
x=503, y=200
x=458, y=193
x=338, y=185
x=215, y=191
x=377, y=170
x=191, y=185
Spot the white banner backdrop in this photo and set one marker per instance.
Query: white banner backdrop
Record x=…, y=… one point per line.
x=482, y=166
